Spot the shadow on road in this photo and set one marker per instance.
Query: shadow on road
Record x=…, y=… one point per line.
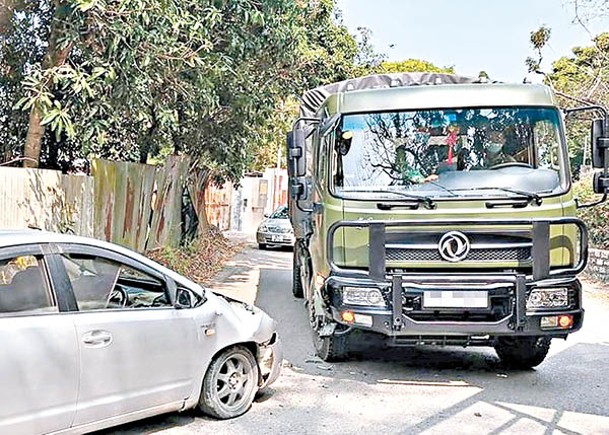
x=410, y=390
x=547, y=399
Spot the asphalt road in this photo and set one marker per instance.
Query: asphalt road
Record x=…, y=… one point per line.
x=426, y=390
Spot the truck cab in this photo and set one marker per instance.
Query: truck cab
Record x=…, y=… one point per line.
x=437, y=209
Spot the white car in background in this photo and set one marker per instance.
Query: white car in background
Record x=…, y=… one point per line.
x=276, y=230
x=94, y=335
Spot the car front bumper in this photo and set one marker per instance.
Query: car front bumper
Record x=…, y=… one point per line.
x=278, y=239
x=269, y=361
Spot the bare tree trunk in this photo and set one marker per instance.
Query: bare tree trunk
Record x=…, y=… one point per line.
x=198, y=182
x=53, y=58
x=35, y=131
x=203, y=219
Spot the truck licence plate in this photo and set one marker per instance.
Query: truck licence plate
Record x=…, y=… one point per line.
x=455, y=299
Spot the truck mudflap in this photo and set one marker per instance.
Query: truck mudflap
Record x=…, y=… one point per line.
x=395, y=320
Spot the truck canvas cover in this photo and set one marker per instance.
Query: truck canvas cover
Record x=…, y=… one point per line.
x=312, y=100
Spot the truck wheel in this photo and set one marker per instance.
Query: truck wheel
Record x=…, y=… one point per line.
x=331, y=349
x=522, y=352
x=297, y=289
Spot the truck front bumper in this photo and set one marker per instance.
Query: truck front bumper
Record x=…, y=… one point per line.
x=506, y=313
x=508, y=290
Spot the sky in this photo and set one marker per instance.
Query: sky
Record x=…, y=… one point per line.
x=471, y=35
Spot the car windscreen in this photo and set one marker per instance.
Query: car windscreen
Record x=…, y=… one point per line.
x=280, y=213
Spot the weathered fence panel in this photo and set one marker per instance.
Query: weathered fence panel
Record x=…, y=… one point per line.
x=165, y=229
x=135, y=205
x=123, y=202
x=218, y=205
x=212, y=203
x=139, y=206
x=47, y=200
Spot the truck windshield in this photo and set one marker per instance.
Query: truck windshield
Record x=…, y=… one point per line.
x=479, y=152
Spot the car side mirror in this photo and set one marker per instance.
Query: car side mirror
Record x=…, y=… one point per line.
x=266, y=215
x=600, y=144
x=183, y=299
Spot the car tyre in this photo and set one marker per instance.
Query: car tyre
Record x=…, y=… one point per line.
x=230, y=384
x=297, y=289
x=261, y=246
x=522, y=352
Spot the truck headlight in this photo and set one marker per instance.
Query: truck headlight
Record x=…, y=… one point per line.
x=368, y=296
x=548, y=298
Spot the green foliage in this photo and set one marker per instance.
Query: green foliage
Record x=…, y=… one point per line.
x=146, y=76
x=580, y=79
x=539, y=38
x=141, y=79
x=596, y=218
x=413, y=65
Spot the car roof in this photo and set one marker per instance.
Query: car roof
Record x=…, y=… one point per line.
x=17, y=237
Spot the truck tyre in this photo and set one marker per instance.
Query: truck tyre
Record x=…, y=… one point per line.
x=297, y=289
x=522, y=352
x=331, y=349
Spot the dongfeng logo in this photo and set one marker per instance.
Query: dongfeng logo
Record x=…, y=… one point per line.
x=454, y=246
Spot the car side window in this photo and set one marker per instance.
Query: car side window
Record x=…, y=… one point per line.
x=99, y=283
x=24, y=287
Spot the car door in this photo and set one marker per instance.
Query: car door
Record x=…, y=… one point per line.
x=135, y=348
x=39, y=358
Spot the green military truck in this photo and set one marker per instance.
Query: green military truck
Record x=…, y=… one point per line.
x=438, y=209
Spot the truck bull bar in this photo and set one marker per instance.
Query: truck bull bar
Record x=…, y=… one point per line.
x=540, y=253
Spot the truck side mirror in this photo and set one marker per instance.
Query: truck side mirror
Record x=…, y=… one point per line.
x=600, y=143
x=600, y=183
x=296, y=153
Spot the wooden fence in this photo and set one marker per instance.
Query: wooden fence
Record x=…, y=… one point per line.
x=131, y=204
x=139, y=206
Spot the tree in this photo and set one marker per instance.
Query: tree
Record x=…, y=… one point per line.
x=582, y=78
x=412, y=65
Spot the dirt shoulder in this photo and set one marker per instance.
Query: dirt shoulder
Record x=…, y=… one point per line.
x=201, y=260
x=595, y=289
x=226, y=264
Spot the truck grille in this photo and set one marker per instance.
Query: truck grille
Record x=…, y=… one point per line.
x=475, y=255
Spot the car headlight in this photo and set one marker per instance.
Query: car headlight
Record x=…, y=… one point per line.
x=263, y=228
x=368, y=296
x=548, y=298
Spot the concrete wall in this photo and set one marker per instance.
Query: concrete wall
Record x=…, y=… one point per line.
x=248, y=204
x=47, y=200
x=598, y=265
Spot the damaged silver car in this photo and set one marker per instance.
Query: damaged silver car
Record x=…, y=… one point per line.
x=94, y=335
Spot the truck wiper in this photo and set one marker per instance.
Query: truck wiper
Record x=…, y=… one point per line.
x=427, y=202
x=529, y=196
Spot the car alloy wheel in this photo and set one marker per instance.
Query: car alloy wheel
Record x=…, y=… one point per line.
x=230, y=384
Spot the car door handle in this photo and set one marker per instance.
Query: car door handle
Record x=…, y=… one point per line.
x=97, y=338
